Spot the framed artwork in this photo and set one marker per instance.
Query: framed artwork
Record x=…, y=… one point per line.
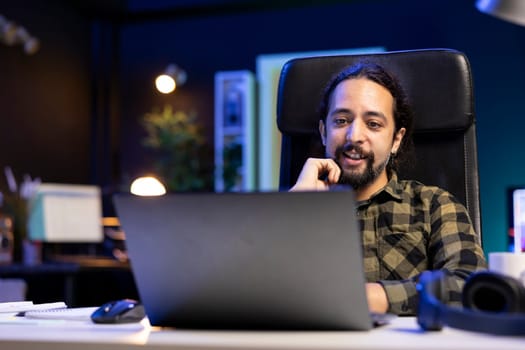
x=268, y=69
x=518, y=208
x=234, y=131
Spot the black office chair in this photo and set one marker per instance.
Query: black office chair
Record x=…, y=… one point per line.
x=438, y=83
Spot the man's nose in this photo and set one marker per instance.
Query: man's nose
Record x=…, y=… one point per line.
x=355, y=132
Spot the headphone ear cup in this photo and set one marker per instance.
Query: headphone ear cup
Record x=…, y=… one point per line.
x=493, y=292
x=430, y=291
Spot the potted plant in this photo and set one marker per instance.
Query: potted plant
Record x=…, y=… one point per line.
x=183, y=158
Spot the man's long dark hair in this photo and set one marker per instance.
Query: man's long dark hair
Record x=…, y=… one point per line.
x=403, y=116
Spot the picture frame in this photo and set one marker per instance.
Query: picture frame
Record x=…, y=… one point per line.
x=518, y=214
x=234, y=131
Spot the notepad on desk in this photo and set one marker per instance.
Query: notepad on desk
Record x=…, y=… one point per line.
x=69, y=314
x=26, y=306
x=57, y=314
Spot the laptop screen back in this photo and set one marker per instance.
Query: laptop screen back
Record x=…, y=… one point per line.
x=268, y=260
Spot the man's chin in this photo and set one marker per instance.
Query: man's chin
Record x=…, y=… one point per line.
x=351, y=178
x=354, y=172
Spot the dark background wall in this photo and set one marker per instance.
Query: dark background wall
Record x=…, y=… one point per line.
x=45, y=99
x=70, y=113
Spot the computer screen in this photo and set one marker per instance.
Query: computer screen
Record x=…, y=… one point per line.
x=66, y=213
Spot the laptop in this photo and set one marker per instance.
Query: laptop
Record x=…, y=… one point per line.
x=259, y=260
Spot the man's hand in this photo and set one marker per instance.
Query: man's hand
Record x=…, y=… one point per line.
x=377, y=300
x=317, y=175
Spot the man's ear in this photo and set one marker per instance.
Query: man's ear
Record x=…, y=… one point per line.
x=322, y=131
x=397, y=140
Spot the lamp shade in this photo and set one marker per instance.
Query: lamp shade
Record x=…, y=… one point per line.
x=147, y=186
x=508, y=10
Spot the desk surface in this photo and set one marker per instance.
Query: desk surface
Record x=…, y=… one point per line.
x=402, y=333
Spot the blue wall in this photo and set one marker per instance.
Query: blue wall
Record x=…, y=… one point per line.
x=204, y=45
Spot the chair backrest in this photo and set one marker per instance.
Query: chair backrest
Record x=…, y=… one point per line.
x=438, y=83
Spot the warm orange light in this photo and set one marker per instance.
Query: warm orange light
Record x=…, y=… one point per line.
x=147, y=186
x=168, y=81
x=165, y=84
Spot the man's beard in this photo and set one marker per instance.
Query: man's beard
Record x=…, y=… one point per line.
x=355, y=178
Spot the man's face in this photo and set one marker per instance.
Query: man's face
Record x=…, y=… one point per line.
x=359, y=132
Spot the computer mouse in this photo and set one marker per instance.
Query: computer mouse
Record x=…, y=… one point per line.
x=119, y=311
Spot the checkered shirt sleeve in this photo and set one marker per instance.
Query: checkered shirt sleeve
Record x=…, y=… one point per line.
x=408, y=228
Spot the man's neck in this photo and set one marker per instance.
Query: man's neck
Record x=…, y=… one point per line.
x=365, y=192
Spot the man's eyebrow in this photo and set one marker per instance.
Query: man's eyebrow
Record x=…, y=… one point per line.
x=347, y=111
x=376, y=114
x=341, y=111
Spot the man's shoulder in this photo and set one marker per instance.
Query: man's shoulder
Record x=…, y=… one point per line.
x=419, y=186
x=415, y=194
x=414, y=191
x=414, y=188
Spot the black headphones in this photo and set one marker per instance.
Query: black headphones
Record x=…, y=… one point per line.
x=492, y=303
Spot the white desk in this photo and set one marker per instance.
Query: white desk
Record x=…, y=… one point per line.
x=403, y=333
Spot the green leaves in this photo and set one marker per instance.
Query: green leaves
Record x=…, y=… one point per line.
x=183, y=158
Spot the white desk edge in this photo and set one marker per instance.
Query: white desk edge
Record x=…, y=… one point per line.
x=402, y=333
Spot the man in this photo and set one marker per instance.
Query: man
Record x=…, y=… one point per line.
x=407, y=227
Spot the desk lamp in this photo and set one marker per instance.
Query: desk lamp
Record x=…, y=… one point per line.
x=508, y=10
x=147, y=186
x=172, y=77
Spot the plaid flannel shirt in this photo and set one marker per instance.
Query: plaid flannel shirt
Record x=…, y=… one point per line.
x=407, y=228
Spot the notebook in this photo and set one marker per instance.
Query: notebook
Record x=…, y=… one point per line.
x=71, y=314
x=264, y=260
